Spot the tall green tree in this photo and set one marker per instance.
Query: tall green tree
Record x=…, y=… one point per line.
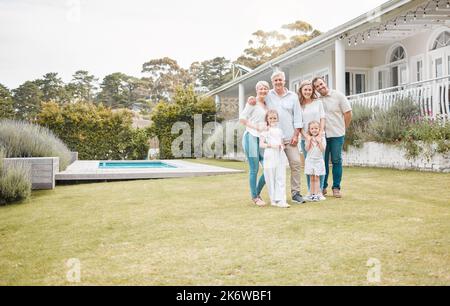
x=27, y=100
x=83, y=86
x=212, y=73
x=166, y=75
x=52, y=88
x=114, y=90
x=6, y=103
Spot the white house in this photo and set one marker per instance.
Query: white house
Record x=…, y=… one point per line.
x=401, y=48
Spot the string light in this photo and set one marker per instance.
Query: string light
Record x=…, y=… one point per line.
x=394, y=23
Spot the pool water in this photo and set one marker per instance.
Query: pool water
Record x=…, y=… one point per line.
x=131, y=164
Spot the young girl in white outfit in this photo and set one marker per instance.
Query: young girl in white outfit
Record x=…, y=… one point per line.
x=314, y=162
x=274, y=160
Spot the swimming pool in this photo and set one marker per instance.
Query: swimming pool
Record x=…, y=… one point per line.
x=134, y=165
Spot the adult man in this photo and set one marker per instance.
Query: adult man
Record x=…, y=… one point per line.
x=338, y=113
x=286, y=103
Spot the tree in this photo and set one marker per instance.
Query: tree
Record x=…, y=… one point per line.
x=166, y=75
x=52, y=88
x=268, y=45
x=212, y=73
x=27, y=100
x=6, y=103
x=114, y=91
x=82, y=86
x=262, y=48
x=303, y=33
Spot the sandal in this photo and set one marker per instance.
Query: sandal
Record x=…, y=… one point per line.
x=259, y=202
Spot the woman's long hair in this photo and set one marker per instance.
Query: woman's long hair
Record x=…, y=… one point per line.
x=300, y=94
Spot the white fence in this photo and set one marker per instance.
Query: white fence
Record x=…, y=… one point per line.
x=433, y=97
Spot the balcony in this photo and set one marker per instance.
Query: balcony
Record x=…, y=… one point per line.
x=433, y=97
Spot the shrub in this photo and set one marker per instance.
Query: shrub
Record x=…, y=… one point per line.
x=356, y=133
x=95, y=132
x=23, y=139
x=389, y=125
x=15, y=182
x=184, y=106
x=428, y=133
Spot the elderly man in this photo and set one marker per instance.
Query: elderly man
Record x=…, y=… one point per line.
x=287, y=105
x=338, y=115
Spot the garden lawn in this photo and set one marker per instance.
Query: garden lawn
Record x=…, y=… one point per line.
x=205, y=231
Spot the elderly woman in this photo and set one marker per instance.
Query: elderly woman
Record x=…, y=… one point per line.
x=253, y=117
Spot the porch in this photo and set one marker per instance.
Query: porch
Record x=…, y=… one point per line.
x=433, y=97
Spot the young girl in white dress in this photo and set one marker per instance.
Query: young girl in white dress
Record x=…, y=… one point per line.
x=274, y=160
x=314, y=162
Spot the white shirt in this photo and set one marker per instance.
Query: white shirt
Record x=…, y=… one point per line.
x=335, y=105
x=273, y=136
x=255, y=114
x=313, y=111
x=289, y=112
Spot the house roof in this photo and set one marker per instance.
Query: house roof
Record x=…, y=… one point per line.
x=318, y=41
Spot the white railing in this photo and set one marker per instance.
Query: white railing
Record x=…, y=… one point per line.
x=433, y=97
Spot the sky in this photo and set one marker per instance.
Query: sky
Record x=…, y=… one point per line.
x=107, y=36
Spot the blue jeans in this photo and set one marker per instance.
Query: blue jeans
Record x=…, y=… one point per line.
x=308, y=179
x=254, y=155
x=334, y=148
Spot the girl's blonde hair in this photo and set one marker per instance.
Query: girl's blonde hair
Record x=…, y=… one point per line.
x=300, y=94
x=309, y=126
x=271, y=112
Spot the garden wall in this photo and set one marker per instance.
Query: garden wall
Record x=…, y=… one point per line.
x=43, y=170
x=373, y=154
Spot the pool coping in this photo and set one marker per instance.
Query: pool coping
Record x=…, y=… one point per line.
x=89, y=170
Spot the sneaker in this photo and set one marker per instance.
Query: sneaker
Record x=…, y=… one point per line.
x=337, y=193
x=321, y=197
x=308, y=198
x=297, y=198
x=315, y=198
x=281, y=205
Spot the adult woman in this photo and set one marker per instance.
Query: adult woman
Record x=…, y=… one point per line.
x=312, y=111
x=253, y=117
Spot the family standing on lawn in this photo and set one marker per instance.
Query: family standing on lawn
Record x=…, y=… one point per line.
x=276, y=120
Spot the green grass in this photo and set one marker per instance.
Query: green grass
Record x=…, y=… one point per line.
x=205, y=231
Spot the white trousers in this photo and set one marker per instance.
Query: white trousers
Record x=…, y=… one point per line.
x=275, y=174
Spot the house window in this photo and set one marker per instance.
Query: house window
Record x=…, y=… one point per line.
x=398, y=54
x=360, y=83
x=380, y=79
x=355, y=83
x=419, y=71
x=442, y=41
x=439, y=68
